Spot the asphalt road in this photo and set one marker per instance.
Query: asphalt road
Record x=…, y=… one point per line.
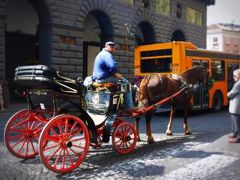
x=206, y=154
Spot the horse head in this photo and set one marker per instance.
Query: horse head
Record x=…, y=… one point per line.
x=197, y=73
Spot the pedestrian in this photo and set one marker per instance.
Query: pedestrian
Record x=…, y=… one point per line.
x=1, y=96
x=234, y=108
x=105, y=70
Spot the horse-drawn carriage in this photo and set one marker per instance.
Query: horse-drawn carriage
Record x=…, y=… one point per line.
x=64, y=118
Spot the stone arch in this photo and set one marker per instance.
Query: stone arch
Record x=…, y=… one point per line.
x=27, y=36
x=144, y=29
x=104, y=26
x=145, y=34
x=176, y=32
x=44, y=31
x=97, y=29
x=178, y=35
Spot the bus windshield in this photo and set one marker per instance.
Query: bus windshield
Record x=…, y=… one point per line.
x=155, y=61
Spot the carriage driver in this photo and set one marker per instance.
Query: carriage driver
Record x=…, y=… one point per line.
x=105, y=70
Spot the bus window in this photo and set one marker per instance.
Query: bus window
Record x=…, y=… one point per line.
x=161, y=52
x=156, y=65
x=218, y=70
x=231, y=68
x=156, y=61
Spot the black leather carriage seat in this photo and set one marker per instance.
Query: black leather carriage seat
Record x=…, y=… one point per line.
x=35, y=77
x=45, y=77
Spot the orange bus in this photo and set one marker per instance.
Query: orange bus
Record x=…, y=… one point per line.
x=175, y=57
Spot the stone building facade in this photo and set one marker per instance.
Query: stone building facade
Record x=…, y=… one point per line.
x=67, y=34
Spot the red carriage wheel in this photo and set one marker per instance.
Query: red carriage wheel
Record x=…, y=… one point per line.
x=63, y=143
x=22, y=132
x=124, y=138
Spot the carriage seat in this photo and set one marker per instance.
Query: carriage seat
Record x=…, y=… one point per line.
x=39, y=77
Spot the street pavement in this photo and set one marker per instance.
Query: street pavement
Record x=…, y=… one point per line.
x=204, y=155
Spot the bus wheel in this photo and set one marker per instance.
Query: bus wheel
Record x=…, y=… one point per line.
x=217, y=102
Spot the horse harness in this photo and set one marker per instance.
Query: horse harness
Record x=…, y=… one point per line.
x=182, y=83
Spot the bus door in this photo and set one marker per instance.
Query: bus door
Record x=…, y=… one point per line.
x=200, y=90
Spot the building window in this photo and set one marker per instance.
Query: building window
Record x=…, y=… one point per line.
x=235, y=41
x=128, y=1
x=146, y=3
x=194, y=16
x=179, y=10
x=163, y=7
x=227, y=41
x=215, y=39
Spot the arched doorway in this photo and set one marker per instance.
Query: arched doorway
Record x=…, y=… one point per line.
x=98, y=29
x=27, y=36
x=178, y=36
x=145, y=34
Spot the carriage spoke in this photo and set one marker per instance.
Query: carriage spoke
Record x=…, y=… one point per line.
x=75, y=133
x=59, y=127
x=124, y=138
x=22, y=146
x=69, y=157
x=63, y=158
x=51, y=147
x=73, y=127
x=53, y=154
x=18, y=130
x=19, y=124
x=38, y=125
x=15, y=137
x=19, y=141
x=74, y=152
x=67, y=143
x=52, y=138
x=34, y=150
x=78, y=146
x=22, y=132
x=58, y=156
x=66, y=125
x=78, y=139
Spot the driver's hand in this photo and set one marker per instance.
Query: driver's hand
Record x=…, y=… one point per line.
x=124, y=80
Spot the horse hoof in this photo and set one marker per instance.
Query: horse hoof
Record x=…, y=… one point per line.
x=169, y=134
x=151, y=142
x=188, y=133
x=139, y=140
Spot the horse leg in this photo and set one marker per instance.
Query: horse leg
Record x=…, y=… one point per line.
x=137, y=127
x=148, y=117
x=186, y=128
x=170, y=123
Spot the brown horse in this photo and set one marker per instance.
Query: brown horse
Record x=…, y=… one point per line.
x=156, y=87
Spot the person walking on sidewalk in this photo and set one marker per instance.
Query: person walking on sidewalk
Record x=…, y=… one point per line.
x=234, y=108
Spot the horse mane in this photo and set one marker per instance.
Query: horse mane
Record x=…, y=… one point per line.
x=189, y=74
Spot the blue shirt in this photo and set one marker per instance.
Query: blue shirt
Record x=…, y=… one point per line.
x=104, y=65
